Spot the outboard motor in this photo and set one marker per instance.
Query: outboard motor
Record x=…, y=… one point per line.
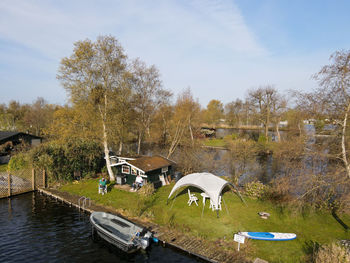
x=144, y=243
x=145, y=240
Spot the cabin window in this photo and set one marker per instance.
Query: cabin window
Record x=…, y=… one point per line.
x=165, y=169
x=133, y=171
x=125, y=169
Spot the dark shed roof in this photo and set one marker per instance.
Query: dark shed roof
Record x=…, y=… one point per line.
x=8, y=136
x=150, y=163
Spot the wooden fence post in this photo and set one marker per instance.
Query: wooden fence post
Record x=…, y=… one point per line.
x=33, y=179
x=44, y=178
x=9, y=184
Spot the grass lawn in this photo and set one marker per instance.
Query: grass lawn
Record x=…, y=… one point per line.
x=311, y=227
x=214, y=142
x=3, y=167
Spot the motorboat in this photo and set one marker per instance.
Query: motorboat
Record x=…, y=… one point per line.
x=120, y=232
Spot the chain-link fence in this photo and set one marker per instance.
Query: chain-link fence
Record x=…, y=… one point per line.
x=20, y=182
x=3, y=184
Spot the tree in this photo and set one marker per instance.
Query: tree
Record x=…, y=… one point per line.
x=16, y=112
x=263, y=100
x=149, y=95
x=214, y=112
x=184, y=120
x=334, y=80
x=79, y=123
x=92, y=76
x=279, y=107
x=38, y=116
x=162, y=122
x=234, y=112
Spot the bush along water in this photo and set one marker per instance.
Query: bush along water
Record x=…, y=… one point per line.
x=61, y=160
x=256, y=189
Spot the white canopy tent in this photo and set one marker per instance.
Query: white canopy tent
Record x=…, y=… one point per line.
x=209, y=183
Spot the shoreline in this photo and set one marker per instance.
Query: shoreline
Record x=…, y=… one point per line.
x=206, y=251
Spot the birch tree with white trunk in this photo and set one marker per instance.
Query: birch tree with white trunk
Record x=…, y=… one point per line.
x=92, y=76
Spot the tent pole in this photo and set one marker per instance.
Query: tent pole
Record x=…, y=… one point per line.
x=225, y=204
x=202, y=211
x=238, y=193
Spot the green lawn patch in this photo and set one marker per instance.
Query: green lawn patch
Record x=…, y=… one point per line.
x=3, y=167
x=311, y=227
x=214, y=142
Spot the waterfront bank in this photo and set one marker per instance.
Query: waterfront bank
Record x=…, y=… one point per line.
x=201, y=249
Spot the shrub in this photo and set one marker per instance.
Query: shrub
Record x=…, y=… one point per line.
x=279, y=192
x=234, y=136
x=256, y=189
x=146, y=190
x=18, y=162
x=333, y=253
x=61, y=160
x=262, y=138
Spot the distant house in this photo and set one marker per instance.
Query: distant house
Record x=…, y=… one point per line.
x=10, y=139
x=153, y=169
x=19, y=137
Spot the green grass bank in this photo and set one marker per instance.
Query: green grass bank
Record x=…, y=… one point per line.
x=312, y=227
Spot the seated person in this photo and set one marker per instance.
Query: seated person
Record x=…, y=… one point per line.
x=102, y=186
x=138, y=183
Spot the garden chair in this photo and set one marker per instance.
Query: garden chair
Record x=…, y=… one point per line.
x=192, y=198
x=102, y=190
x=212, y=206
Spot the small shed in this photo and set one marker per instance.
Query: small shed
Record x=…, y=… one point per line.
x=9, y=139
x=153, y=169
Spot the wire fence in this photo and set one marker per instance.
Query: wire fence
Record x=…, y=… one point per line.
x=21, y=182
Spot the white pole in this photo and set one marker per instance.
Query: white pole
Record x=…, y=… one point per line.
x=238, y=246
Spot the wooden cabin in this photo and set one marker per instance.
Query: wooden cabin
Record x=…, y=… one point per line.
x=153, y=169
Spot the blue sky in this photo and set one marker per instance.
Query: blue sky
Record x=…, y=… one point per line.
x=220, y=49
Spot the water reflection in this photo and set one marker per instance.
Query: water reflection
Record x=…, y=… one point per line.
x=35, y=228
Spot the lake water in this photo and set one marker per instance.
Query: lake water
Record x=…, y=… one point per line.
x=35, y=228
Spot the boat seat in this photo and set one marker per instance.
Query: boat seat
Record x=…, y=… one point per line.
x=114, y=231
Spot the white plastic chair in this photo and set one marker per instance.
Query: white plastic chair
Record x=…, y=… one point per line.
x=212, y=206
x=192, y=198
x=102, y=190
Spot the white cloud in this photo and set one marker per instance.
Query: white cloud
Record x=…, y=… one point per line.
x=205, y=44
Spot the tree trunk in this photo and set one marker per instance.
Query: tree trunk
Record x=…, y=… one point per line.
x=299, y=127
x=278, y=132
x=267, y=125
x=343, y=146
x=105, y=146
x=120, y=148
x=176, y=140
x=191, y=133
x=139, y=143
x=105, y=143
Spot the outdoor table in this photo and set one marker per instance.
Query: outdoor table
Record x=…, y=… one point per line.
x=204, y=195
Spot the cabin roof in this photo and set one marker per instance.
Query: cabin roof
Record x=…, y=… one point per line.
x=8, y=135
x=150, y=163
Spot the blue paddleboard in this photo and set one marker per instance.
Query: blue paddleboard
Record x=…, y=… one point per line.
x=273, y=236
